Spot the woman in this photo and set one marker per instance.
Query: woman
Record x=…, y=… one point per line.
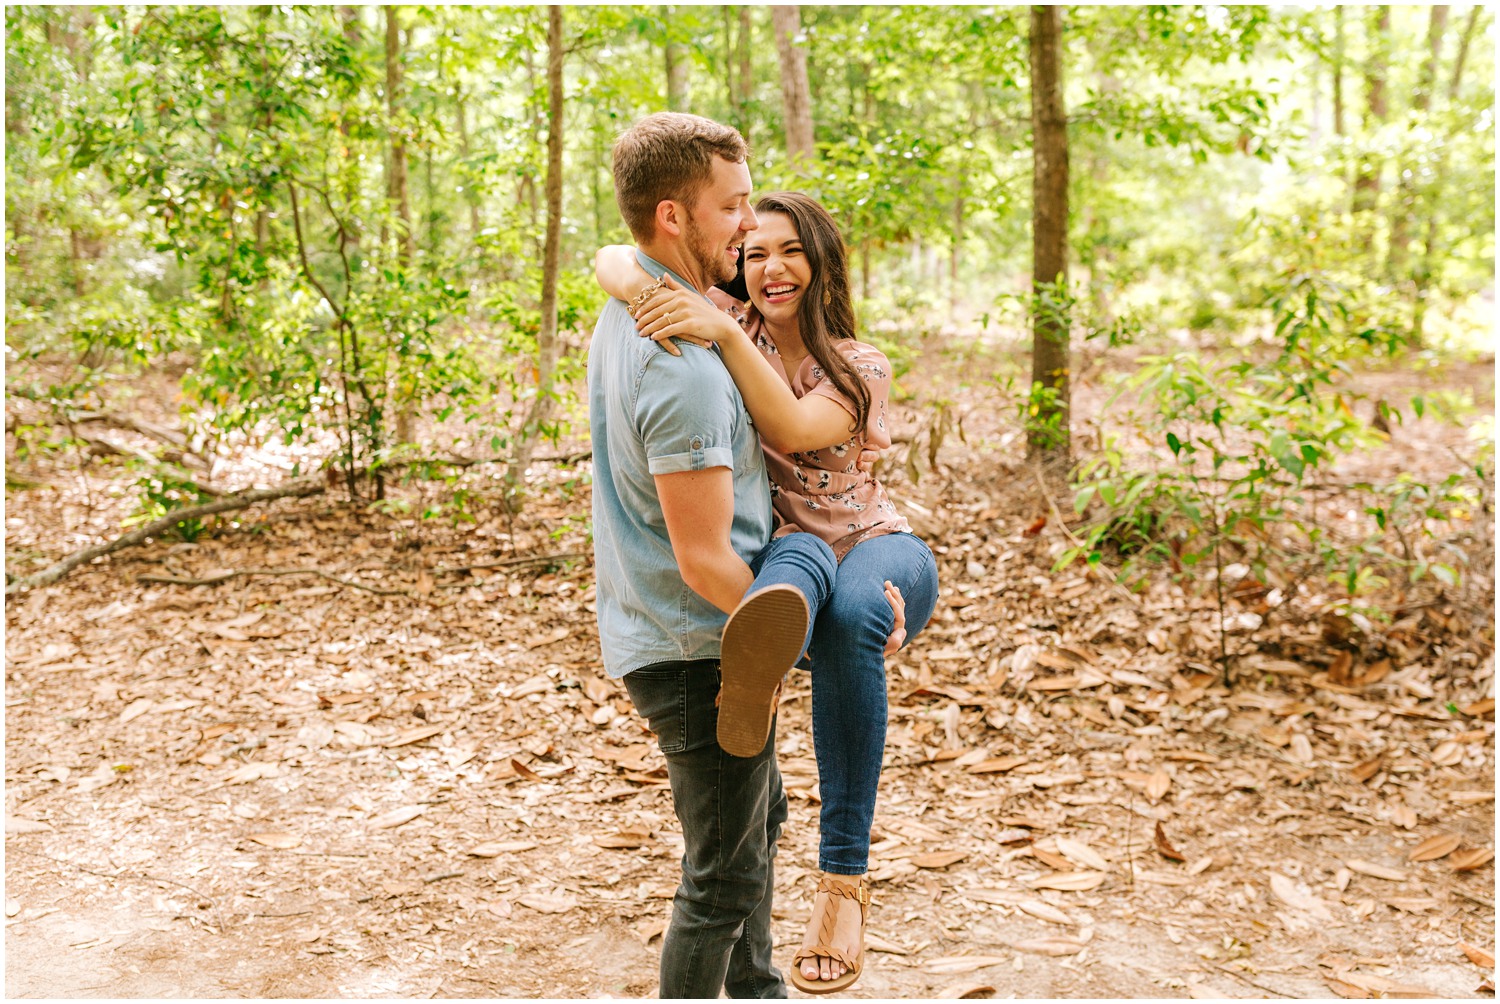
x=818, y=398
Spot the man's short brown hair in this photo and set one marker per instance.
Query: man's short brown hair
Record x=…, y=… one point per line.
x=668, y=155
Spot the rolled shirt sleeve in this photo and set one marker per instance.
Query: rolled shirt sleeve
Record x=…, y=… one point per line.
x=682, y=428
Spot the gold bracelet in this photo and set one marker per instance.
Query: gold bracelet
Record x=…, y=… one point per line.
x=639, y=300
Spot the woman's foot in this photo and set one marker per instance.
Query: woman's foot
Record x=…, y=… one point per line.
x=846, y=934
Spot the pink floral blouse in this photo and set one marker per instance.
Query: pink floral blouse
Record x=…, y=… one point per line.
x=824, y=491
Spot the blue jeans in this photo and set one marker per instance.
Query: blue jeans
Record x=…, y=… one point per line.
x=848, y=685
x=731, y=808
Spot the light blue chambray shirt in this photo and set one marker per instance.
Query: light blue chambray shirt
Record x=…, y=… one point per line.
x=651, y=413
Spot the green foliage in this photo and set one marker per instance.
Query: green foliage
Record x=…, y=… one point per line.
x=1245, y=436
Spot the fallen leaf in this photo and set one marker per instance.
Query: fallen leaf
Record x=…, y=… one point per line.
x=1289, y=893
x=252, y=771
x=1044, y=911
x=278, y=839
x=1069, y=881
x=12, y=907
x=550, y=638
x=19, y=824
x=998, y=765
x=1157, y=785
x=1412, y=904
x=1467, y=861
x=1364, y=771
x=1478, y=956
x=527, y=772
x=875, y=943
x=415, y=735
x=954, y=964
x=939, y=859
x=495, y=848
x=1485, y=987
x=1053, y=683
x=1164, y=846
x=989, y=896
x=1037, y=526
x=1082, y=854
x=1471, y=797
x=1439, y=845
x=1376, y=871
x=1049, y=946
x=396, y=817
x=1377, y=672
x=965, y=991
x=619, y=841
x=136, y=709
x=1347, y=990
x=548, y=902
x=651, y=927
x=1051, y=859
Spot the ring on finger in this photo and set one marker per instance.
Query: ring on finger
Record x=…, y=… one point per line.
x=669, y=317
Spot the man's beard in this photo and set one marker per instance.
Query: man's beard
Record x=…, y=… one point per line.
x=712, y=260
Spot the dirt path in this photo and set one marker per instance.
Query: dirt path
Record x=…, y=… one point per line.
x=281, y=787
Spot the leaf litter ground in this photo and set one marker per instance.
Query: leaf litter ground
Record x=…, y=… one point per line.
x=283, y=786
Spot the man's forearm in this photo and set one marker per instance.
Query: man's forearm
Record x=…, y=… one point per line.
x=721, y=578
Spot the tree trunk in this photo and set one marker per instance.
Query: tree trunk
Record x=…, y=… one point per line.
x=1338, y=70
x=955, y=256
x=796, y=99
x=746, y=70
x=349, y=175
x=1427, y=263
x=1048, y=436
x=676, y=66
x=1407, y=183
x=396, y=186
x=548, y=343
x=399, y=197
x=1367, y=181
x=471, y=193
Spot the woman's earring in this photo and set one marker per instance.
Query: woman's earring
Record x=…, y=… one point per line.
x=827, y=297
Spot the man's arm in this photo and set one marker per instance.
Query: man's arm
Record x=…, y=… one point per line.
x=698, y=507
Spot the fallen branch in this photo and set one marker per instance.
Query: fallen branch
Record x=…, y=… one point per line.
x=535, y=559
x=227, y=574
x=104, y=446
x=457, y=460
x=301, y=488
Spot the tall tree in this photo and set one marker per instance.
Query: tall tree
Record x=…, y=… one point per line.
x=1427, y=262
x=549, y=346
x=1407, y=173
x=396, y=184
x=796, y=98
x=1367, y=180
x=1338, y=69
x=676, y=64
x=1048, y=437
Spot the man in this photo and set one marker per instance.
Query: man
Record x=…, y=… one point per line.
x=682, y=516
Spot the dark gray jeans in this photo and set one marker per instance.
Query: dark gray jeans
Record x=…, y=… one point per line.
x=731, y=810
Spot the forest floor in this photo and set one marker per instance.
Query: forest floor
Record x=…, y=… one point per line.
x=289, y=786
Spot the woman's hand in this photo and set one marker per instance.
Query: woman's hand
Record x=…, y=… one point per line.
x=898, y=607
x=674, y=312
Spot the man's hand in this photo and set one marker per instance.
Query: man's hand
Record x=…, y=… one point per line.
x=898, y=607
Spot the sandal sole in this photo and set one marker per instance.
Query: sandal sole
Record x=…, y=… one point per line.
x=761, y=641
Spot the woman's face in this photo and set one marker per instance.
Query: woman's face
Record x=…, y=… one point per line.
x=776, y=268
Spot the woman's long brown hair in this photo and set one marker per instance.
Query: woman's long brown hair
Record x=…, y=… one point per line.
x=826, y=313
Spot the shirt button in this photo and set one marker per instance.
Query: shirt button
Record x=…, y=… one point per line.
x=697, y=442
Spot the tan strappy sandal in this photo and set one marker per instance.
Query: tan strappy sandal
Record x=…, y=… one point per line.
x=827, y=922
